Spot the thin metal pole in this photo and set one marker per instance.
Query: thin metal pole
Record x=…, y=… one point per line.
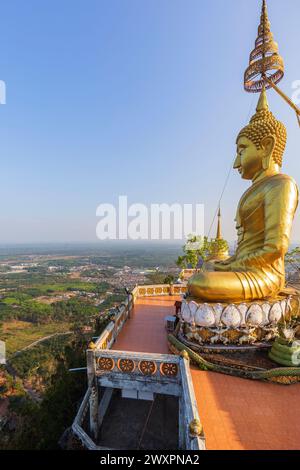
x=285, y=97
x=146, y=423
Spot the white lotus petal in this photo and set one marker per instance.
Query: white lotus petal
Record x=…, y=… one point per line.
x=185, y=312
x=266, y=311
x=218, y=309
x=275, y=313
x=205, y=316
x=255, y=315
x=193, y=308
x=243, y=309
x=231, y=316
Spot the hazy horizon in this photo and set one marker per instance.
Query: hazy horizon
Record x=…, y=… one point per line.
x=118, y=244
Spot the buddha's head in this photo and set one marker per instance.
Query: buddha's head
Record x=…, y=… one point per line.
x=261, y=144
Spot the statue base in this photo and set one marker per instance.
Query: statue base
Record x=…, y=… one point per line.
x=237, y=326
x=247, y=362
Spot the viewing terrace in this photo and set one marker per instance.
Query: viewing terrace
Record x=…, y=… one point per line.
x=236, y=413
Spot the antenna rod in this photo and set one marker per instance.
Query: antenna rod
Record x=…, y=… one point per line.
x=78, y=369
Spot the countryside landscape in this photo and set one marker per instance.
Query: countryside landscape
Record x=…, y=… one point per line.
x=150, y=231
x=53, y=301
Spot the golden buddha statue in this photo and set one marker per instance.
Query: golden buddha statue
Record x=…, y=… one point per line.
x=264, y=218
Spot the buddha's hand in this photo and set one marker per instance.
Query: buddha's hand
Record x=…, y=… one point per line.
x=209, y=266
x=222, y=266
x=226, y=262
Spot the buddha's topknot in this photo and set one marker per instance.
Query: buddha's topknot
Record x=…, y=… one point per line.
x=264, y=124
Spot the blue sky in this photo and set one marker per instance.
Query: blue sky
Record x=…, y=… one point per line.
x=136, y=97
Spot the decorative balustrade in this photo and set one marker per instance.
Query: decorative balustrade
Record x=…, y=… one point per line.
x=78, y=426
x=155, y=373
x=151, y=368
x=187, y=273
x=192, y=439
x=163, y=289
x=110, y=333
x=78, y=423
x=178, y=289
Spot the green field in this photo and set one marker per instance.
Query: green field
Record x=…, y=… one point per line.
x=19, y=334
x=36, y=284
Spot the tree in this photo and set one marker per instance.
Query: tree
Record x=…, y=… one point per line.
x=293, y=258
x=195, y=250
x=169, y=279
x=198, y=249
x=41, y=424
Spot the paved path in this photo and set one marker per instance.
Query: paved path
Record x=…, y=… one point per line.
x=236, y=413
x=34, y=395
x=145, y=330
x=41, y=340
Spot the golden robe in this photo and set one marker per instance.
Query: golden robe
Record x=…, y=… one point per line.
x=256, y=271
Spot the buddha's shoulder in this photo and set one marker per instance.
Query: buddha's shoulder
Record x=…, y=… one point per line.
x=280, y=181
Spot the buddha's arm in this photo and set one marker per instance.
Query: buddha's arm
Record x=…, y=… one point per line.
x=226, y=262
x=280, y=203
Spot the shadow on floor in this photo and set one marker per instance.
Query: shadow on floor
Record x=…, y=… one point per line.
x=140, y=424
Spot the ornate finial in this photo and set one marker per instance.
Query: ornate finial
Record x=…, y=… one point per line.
x=185, y=355
x=91, y=345
x=264, y=59
x=195, y=428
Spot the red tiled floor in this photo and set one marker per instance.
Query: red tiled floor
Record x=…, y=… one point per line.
x=145, y=330
x=245, y=414
x=236, y=413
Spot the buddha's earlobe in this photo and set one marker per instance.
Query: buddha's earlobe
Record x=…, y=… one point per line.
x=266, y=162
x=268, y=145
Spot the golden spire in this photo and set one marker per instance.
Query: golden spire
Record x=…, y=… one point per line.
x=262, y=104
x=264, y=59
x=219, y=232
x=220, y=247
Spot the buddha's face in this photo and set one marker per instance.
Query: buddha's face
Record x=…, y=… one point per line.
x=249, y=159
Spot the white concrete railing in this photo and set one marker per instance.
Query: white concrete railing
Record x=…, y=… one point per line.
x=128, y=362
x=161, y=289
x=160, y=373
x=187, y=273
x=112, y=330
x=156, y=373
x=189, y=410
x=78, y=424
